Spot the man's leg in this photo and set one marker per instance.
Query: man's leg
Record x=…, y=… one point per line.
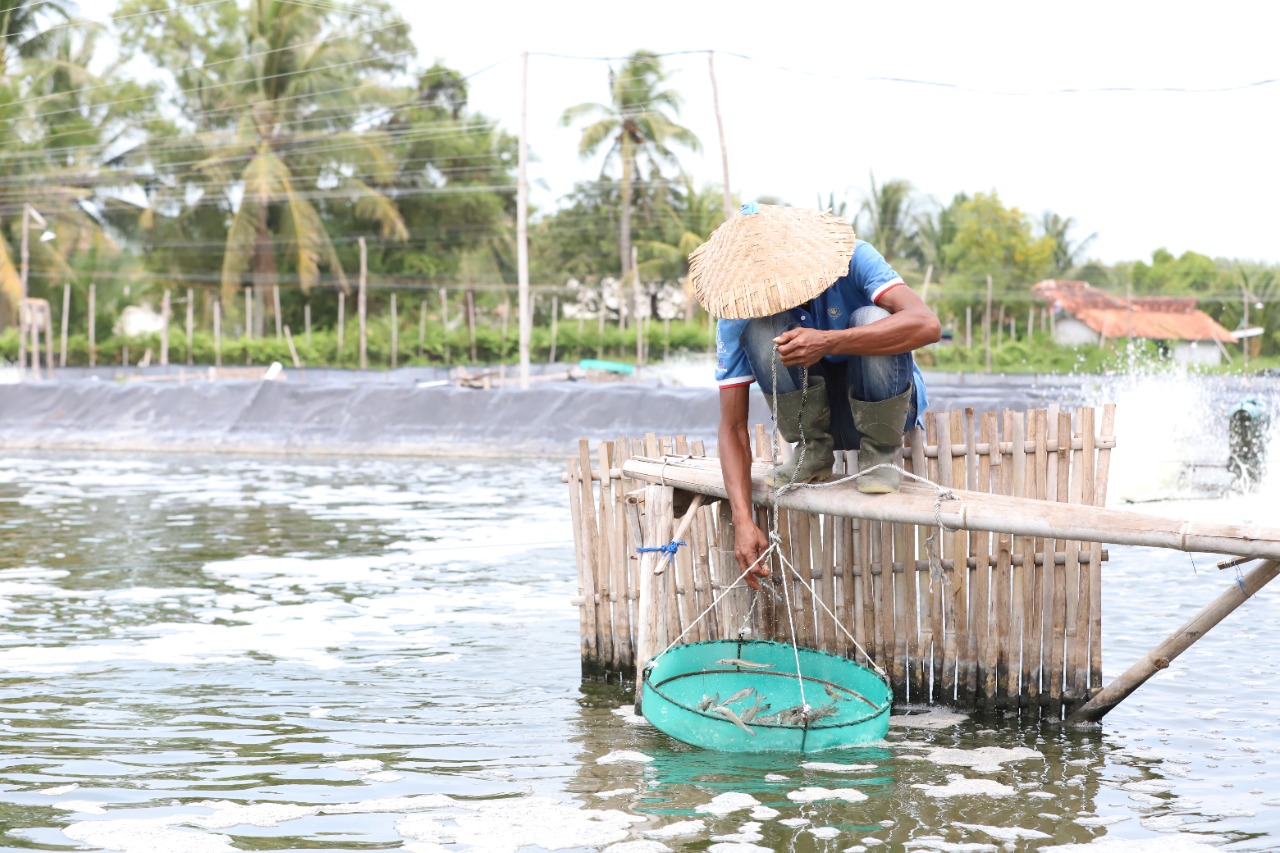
x=803, y=415
x=882, y=400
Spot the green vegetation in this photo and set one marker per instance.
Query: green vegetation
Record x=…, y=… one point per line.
x=277, y=138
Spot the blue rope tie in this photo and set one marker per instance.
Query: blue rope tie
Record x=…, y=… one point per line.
x=670, y=548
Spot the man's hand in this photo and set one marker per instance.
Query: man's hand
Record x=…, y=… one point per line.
x=748, y=544
x=802, y=347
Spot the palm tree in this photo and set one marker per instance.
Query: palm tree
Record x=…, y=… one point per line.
x=889, y=224
x=55, y=120
x=1066, y=255
x=635, y=130
x=277, y=109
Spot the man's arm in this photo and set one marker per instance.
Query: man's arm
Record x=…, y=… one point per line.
x=910, y=325
x=734, y=447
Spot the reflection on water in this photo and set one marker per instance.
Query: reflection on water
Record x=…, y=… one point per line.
x=220, y=653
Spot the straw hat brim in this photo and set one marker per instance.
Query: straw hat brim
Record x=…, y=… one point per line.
x=758, y=264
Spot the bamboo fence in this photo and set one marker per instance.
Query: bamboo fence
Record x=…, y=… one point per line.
x=954, y=615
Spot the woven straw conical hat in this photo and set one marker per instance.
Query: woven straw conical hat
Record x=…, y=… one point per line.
x=768, y=259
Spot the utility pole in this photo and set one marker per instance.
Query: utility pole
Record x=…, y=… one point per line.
x=522, y=231
x=724, y=152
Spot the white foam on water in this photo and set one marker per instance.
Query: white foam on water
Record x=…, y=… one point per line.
x=815, y=794
x=639, y=846
x=764, y=813
x=927, y=717
x=1164, y=822
x=616, y=792
x=392, y=805
x=155, y=835
x=358, y=765
x=738, y=847
x=1101, y=820
x=227, y=814
x=794, y=821
x=1148, y=786
x=959, y=786
x=775, y=777
x=984, y=759
x=1166, y=844
x=1004, y=833
x=679, y=829
x=933, y=842
x=856, y=848
x=382, y=776
x=59, y=790
x=80, y=807
x=836, y=768
x=728, y=803
x=826, y=833
x=624, y=756
x=630, y=717
x=748, y=833
x=504, y=826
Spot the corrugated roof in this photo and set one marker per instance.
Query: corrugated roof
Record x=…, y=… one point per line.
x=1157, y=317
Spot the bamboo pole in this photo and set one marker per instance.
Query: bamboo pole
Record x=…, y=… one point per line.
x=422, y=328
x=342, y=323
x=293, y=351
x=650, y=634
x=583, y=555
x=985, y=640
x=986, y=325
x=950, y=590
x=166, y=309
x=605, y=582
x=555, y=316
x=1095, y=553
x=362, y=305
x=1085, y=467
x=917, y=595
x=48, y=339
x=395, y=333
x=92, y=323
x=444, y=325
x=1162, y=655
x=1002, y=580
x=1041, y=462
x=191, y=325
x=66, y=313
x=914, y=504
x=275, y=309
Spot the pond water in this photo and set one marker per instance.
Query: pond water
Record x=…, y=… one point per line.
x=233, y=653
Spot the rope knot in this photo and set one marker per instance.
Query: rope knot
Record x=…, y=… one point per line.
x=670, y=548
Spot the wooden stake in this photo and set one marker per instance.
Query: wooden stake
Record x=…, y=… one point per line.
x=92, y=326
x=1162, y=655
x=275, y=305
x=165, y=317
x=555, y=315
x=395, y=333
x=66, y=312
x=293, y=352
x=986, y=325
x=342, y=323
x=422, y=328
x=362, y=305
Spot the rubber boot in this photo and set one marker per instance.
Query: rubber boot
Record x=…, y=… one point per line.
x=880, y=425
x=810, y=425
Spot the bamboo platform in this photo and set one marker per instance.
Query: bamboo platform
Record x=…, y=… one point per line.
x=981, y=588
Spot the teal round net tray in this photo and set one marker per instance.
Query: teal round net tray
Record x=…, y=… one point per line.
x=689, y=693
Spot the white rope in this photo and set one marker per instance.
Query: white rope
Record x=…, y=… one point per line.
x=712, y=605
x=809, y=586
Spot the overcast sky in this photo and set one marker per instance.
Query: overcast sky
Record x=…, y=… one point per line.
x=811, y=113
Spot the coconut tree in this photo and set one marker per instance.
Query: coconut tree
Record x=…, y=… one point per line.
x=889, y=222
x=1066, y=252
x=277, y=123
x=635, y=130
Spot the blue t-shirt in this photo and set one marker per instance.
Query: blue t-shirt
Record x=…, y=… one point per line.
x=869, y=278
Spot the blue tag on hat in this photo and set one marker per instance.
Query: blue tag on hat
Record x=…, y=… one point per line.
x=749, y=208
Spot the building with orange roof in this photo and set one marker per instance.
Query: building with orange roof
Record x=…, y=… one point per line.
x=1084, y=315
